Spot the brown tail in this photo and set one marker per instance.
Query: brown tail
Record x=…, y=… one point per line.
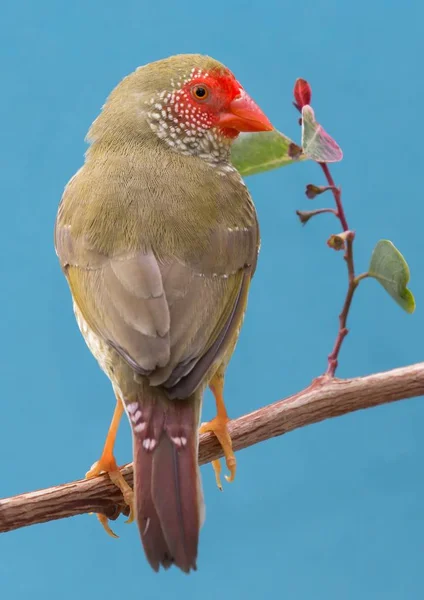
x=168, y=496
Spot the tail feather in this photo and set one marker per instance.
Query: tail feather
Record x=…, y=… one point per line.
x=175, y=499
x=155, y=546
x=166, y=478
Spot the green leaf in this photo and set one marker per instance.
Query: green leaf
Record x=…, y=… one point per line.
x=316, y=142
x=254, y=153
x=388, y=266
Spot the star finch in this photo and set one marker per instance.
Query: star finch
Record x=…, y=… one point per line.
x=158, y=238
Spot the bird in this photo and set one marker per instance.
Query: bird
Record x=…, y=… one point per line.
x=158, y=238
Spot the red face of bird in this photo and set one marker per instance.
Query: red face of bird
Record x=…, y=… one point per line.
x=206, y=100
x=203, y=111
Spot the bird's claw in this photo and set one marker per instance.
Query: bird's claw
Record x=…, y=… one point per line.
x=118, y=479
x=105, y=522
x=111, y=468
x=218, y=426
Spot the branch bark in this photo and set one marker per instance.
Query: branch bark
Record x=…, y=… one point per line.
x=323, y=399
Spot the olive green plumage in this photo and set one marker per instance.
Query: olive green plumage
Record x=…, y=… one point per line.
x=158, y=249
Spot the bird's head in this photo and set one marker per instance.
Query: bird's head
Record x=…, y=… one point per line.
x=191, y=103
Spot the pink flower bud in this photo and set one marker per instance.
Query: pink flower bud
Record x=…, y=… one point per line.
x=302, y=93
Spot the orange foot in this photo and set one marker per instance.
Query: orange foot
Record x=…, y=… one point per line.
x=107, y=464
x=218, y=426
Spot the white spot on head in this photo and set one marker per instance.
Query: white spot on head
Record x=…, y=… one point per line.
x=140, y=427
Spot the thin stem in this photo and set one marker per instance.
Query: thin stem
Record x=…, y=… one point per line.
x=305, y=215
x=321, y=211
x=337, y=196
x=333, y=357
x=343, y=331
x=362, y=276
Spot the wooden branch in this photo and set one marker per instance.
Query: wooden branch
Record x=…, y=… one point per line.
x=325, y=398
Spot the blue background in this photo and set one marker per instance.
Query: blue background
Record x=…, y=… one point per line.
x=332, y=511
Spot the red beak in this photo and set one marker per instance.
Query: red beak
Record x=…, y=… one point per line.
x=244, y=115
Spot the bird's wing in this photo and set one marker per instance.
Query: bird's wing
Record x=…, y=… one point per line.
x=169, y=319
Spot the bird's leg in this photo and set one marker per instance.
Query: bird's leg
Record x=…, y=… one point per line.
x=107, y=464
x=218, y=426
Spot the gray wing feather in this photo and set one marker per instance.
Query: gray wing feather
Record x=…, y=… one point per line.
x=160, y=315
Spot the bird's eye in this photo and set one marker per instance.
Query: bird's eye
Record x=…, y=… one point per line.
x=199, y=92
